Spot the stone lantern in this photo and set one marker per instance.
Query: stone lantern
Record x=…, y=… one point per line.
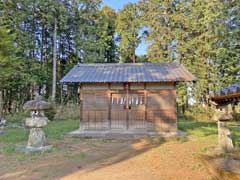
x=37, y=138
x=224, y=135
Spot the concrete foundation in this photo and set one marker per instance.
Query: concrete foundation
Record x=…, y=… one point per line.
x=122, y=134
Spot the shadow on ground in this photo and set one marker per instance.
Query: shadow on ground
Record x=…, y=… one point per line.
x=71, y=155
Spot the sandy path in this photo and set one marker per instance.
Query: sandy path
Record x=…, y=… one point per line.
x=170, y=160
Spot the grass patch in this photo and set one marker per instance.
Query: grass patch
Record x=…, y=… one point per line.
x=10, y=138
x=14, y=135
x=235, y=130
x=201, y=129
x=57, y=129
x=8, y=149
x=54, y=130
x=197, y=128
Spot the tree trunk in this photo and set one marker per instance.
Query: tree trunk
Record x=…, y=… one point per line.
x=1, y=103
x=54, y=61
x=183, y=109
x=134, y=58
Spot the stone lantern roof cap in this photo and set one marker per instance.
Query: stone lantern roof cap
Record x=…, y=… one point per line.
x=37, y=104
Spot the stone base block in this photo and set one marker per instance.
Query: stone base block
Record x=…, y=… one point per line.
x=34, y=149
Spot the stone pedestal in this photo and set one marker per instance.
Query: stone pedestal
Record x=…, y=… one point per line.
x=37, y=137
x=224, y=137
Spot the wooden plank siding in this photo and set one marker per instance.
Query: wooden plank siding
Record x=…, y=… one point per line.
x=156, y=112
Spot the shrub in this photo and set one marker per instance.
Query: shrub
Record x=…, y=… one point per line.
x=18, y=118
x=198, y=113
x=67, y=112
x=236, y=116
x=50, y=114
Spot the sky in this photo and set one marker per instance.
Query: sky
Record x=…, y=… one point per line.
x=118, y=4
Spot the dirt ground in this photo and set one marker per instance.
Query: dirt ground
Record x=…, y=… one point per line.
x=95, y=159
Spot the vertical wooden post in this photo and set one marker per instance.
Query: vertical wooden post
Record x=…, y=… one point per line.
x=127, y=107
x=95, y=111
x=175, y=104
x=109, y=106
x=145, y=107
x=1, y=104
x=81, y=106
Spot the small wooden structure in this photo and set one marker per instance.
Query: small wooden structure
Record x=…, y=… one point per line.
x=128, y=98
x=222, y=99
x=227, y=95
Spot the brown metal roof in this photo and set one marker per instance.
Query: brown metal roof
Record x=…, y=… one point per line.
x=129, y=72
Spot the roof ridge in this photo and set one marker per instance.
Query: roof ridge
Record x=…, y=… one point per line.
x=127, y=64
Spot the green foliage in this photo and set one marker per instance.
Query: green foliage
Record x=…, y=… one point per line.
x=85, y=32
x=199, y=113
x=235, y=135
x=202, y=35
x=17, y=118
x=236, y=116
x=229, y=50
x=12, y=71
x=127, y=26
x=166, y=24
x=106, y=31
x=50, y=114
x=95, y=33
x=69, y=111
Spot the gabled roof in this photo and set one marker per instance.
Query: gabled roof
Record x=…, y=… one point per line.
x=128, y=72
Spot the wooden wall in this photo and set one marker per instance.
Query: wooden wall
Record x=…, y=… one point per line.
x=151, y=106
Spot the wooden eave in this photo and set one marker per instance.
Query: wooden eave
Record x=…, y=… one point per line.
x=226, y=98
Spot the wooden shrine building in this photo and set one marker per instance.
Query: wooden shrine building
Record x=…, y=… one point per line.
x=227, y=95
x=128, y=97
x=227, y=99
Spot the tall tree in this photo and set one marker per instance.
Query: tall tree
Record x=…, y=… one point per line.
x=54, y=81
x=228, y=53
x=14, y=71
x=191, y=32
x=128, y=27
x=166, y=25
x=88, y=45
x=106, y=32
x=33, y=22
